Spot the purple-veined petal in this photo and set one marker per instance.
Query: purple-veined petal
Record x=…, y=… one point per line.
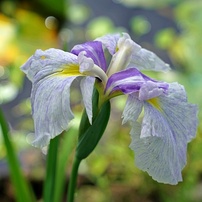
x=51, y=108
x=147, y=60
x=44, y=63
x=51, y=72
x=158, y=156
x=151, y=89
x=87, y=85
x=132, y=109
x=131, y=80
x=181, y=115
x=127, y=81
x=139, y=57
x=93, y=50
x=160, y=144
x=109, y=41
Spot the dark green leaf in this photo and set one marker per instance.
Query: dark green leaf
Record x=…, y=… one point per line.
x=88, y=141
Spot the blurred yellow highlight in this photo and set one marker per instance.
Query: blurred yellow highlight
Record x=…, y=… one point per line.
x=8, y=51
x=21, y=35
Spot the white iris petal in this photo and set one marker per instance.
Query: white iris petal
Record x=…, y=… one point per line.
x=109, y=41
x=139, y=58
x=51, y=108
x=157, y=156
x=160, y=142
x=132, y=109
x=150, y=90
x=147, y=60
x=47, y=62
x=87, y=85
x=52, y=73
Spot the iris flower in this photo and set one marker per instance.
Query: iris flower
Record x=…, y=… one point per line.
x=169, y=122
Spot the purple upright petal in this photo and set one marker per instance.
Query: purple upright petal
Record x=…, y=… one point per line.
x=93, y=50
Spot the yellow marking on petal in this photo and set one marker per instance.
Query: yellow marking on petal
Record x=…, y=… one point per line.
x=69, y=70
x=155, y=103
x=43, y=57
x=117, y=49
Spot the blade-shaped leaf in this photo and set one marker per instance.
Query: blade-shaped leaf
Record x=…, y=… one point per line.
x=90, y=138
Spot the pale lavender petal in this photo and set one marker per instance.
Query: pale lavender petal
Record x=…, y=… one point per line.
x=151, y=89
x=110, y=41
x=132, y=109
x=158, y=156
x=88, y=68
x=93, y=50
x=169, y=123
x=85, y=64
x=125, y=40
x=44, y=63
x=87, y=85
x=51, y=108
x=147, y=60
x=141, y=58
x=181, y=115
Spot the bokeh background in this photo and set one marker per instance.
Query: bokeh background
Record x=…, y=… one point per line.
x=170, y=28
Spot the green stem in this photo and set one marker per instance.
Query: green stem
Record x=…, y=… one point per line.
x=49, y=184
x=66, y=147
x=73, y=180
x=23, y=190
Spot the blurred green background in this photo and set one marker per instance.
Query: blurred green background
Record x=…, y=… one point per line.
x=170, y=28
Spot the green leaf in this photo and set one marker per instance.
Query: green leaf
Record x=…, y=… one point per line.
x=88, y=141
x=23, y=190
x=66, y=147
x=51, y=167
